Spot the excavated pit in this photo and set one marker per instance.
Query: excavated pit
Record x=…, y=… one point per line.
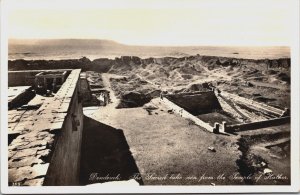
x=94, y=93
x=133, y=100
x=204, y=105
x=217, y=116
x=196, y=103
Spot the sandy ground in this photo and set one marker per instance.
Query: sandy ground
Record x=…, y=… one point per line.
x=165, y=149
x=165, y=144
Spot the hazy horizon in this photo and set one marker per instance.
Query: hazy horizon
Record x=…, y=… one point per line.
x=156, y=23
x=29, y=40
x=98, y=48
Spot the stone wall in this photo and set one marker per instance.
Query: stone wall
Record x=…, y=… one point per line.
x=21, y=78
x=257, y=124
x=47, y=149
x=251, y=114
x=85, y=90
x=65, y=162
x=263, y=108
x=185, y=114
x=245, y=114
x=196, y=103
x=189, y=104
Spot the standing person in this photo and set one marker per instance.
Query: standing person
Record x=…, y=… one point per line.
x=161, y=95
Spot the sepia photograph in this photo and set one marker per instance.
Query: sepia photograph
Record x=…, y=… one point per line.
x=133, y=94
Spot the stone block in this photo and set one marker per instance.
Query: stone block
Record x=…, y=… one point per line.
x=216, y=128
x=56, y=125
x=28, y=152
x=16, y=144
x=23, y=161
x=33, y=144
x=44, y=153
x=40, y=126
x=34, y=182
x=224, y=126
x=27, y=172
x=33, y=135
x=11, y=153
x=22, y=126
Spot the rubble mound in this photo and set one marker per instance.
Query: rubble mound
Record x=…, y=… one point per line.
x=197, y=87
x=133, y=99
x=284, y=77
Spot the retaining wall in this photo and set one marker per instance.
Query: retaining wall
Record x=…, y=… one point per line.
x=257, y=125
x=182, y=112
x=189, y=100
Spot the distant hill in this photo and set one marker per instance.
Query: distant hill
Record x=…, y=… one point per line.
x=66, y=42
x=47, y=46
x=96, y=48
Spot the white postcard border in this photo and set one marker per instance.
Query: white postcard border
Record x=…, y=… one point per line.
x=295, y=98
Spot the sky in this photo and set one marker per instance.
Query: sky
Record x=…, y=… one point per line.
x=156, y=22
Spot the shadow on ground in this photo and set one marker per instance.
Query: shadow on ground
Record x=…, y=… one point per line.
x=105, y=152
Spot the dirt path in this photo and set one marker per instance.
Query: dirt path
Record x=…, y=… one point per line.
x=114, y=101
x=268, y=85
x=109, y=109
x=150, y=82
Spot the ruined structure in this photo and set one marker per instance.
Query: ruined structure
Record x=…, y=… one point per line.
x=218, y=111
x=50, y=80
x=93, y=92
x=46, y=120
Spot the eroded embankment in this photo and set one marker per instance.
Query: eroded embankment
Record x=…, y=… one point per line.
x=259, y=153
x=105, y=64
x=133, y=91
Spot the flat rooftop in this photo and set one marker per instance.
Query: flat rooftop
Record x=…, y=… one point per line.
x=33, y=132
x=13, y=92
